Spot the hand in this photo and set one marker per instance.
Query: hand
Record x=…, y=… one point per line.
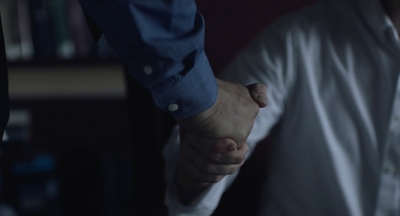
x=209, y=160
x=204, y=161
x=232, y=115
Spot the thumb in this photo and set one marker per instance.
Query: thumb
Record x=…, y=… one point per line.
x=258, y=92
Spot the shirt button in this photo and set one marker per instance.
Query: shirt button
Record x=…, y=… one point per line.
x=390, y=169
x=147, y=70
x=173, y=107
x=397, y=118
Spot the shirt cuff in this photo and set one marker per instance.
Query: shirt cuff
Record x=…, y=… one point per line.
x=194, y=93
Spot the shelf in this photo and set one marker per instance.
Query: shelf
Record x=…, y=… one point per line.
x=55, y=81
x=54, y=62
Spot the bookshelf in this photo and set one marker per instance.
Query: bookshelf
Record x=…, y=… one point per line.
x=50, y=53
x=74, y=91
x=46, y=31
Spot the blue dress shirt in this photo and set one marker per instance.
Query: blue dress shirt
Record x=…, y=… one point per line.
x=162, y=44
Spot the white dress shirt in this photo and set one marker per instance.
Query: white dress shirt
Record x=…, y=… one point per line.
x=333, y=87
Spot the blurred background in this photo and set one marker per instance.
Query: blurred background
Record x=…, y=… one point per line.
x=83, y=137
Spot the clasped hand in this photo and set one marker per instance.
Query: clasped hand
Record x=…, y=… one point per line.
x=213, y=143
x=209, y=160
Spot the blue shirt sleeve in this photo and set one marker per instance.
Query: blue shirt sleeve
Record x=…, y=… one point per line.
x=162, y=44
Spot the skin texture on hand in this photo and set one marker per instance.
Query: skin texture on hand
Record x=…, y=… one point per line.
x=232, y=116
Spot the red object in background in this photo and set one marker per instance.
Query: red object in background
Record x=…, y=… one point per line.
x=230, y=24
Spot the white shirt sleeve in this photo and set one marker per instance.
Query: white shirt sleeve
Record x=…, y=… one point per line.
x=261, y=61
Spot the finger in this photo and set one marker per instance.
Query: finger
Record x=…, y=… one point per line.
x=258, y=92
x=191, y=153
x=218, y=151
x=235, y=157
x=186, y=164
x=190, y=168
x=219, y=145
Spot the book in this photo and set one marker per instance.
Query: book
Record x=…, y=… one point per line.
x=25, y=34
x=64, y=45
x=80, y=34
x=10, y=29
x=41, y=29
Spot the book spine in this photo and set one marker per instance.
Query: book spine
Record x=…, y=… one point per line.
x=41, y=29
x=25, y=33
x=10, y=28
x=64, y=45
x=84, y=44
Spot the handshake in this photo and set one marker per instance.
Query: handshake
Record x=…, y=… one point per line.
x=213, y=143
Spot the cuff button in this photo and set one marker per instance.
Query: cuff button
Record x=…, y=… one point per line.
x=173, y=107
x=147, y=70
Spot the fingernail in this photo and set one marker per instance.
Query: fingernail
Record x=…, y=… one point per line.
x=230, y=148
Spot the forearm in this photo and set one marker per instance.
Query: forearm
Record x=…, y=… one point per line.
x=162, y=44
